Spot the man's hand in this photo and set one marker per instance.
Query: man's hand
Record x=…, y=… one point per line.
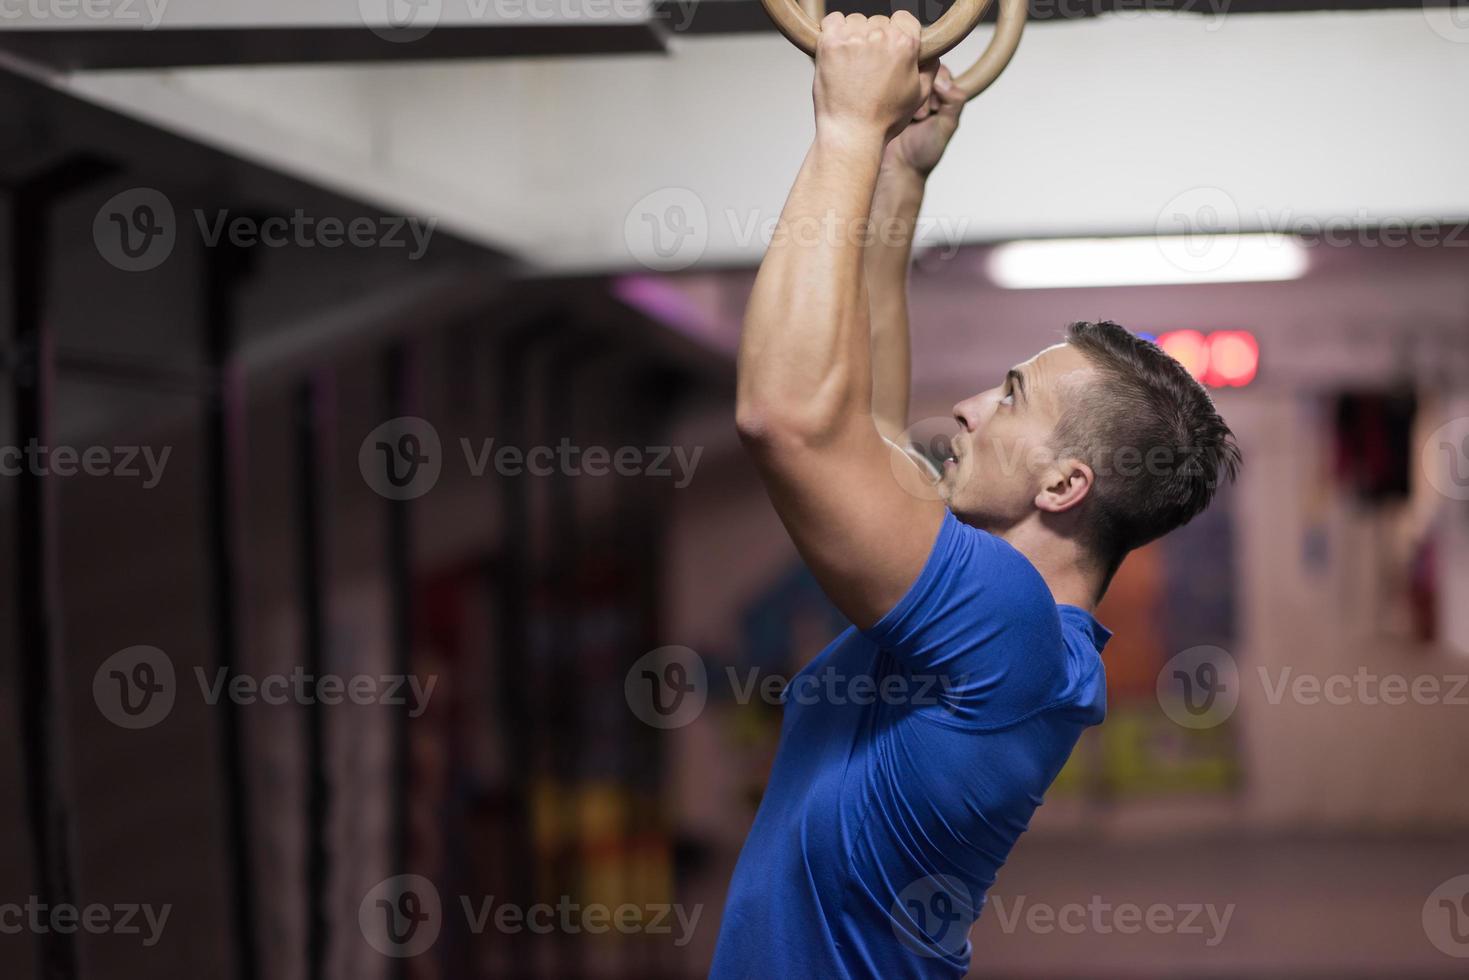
x=804, y=404
x=867, y=77
x=920, y=146
x=906, y=163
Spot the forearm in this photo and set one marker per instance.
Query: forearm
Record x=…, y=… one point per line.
x=895, y=207
x=805, y=358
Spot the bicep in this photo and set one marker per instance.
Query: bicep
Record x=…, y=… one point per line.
x=859, y=510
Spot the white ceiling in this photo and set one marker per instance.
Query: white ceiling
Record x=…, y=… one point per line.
x=1098, y=128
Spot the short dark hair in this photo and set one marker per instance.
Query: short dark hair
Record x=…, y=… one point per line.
x=1145, y=405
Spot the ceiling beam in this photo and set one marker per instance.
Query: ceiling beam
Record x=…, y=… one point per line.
x=747, y=16
x=70, y=50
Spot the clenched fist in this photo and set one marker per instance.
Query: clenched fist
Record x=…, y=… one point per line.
x=867, y=77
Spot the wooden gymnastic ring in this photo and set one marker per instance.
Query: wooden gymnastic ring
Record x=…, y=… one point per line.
x=801, y=24
x=996, y=58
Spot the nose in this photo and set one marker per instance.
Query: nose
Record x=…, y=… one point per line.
x=970, y=412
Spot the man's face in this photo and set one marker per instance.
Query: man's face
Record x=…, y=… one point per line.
x=1003, y=449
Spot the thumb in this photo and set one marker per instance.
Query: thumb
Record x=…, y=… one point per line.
x=949, y=96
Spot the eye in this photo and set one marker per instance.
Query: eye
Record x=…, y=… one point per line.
x=1008, y=396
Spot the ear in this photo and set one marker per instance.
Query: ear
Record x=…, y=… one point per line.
x=1065, y=486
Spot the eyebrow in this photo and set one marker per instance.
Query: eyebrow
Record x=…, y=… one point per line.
x=1018, y=380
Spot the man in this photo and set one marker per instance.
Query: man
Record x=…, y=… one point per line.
x=887, y=817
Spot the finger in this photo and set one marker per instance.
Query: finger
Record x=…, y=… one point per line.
x=833, y=25
x=949, y=95
x=907, y=23
x=925, y=88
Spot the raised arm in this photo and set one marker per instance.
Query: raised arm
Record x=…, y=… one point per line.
x=906, y=164
x=805, y=362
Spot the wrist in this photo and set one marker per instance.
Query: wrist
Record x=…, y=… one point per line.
x=902, y=175
x=849, y=136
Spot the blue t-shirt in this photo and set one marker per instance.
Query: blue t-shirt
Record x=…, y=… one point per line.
x=911, y=758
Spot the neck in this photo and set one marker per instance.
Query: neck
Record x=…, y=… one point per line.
x=1071, y=576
